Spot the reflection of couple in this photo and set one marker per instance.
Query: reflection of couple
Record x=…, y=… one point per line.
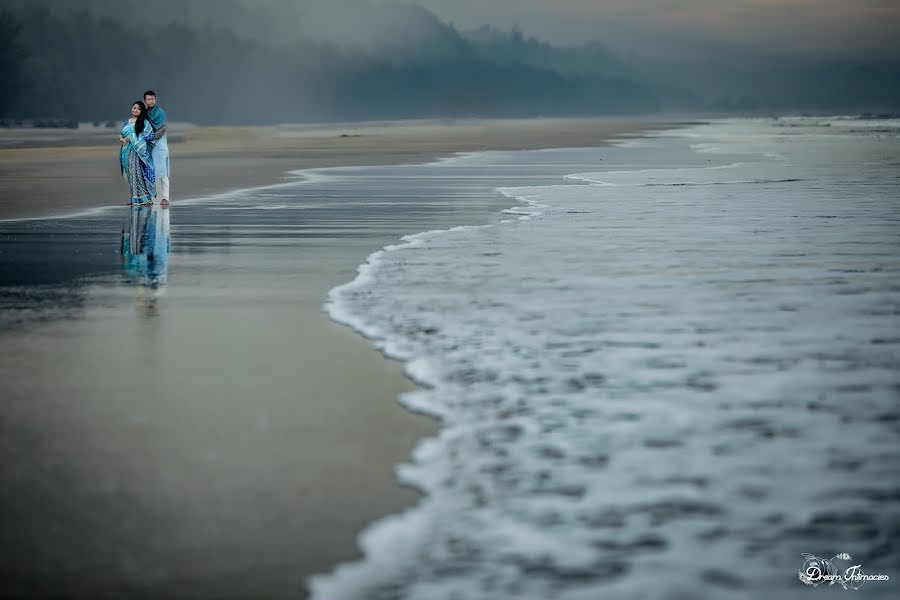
x=144, y=155
x=146, y=245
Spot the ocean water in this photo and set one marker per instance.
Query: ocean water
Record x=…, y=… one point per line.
x=174, y=416
x=668, y=370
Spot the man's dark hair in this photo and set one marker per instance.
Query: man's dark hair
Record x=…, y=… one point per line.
x=149, y=93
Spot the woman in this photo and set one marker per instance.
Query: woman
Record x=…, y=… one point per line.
x=134, y=156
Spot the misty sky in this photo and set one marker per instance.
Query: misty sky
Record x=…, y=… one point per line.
x=819, y=28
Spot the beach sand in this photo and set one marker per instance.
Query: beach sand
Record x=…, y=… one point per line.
x=208, y=489
x=43, y=174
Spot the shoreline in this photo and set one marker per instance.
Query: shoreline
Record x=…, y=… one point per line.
x=353, y=431
x=58, y=179
x=461, y=309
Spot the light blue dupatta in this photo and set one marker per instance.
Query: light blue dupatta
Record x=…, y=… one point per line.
x=138, y=144
x=157, y=117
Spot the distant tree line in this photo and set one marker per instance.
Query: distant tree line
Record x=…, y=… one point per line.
x=90, y=68
x=268, y=61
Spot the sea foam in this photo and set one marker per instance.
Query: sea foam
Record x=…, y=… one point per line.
x=652, y=391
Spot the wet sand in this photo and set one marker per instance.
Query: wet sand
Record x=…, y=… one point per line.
x=44, y=174
x=226, y=439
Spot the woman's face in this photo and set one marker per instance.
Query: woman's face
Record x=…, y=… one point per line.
x=135, y=110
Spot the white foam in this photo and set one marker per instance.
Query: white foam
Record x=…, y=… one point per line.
x=734, y=173
x=624, y=382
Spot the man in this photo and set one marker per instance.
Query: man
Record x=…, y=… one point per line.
x=160, y=151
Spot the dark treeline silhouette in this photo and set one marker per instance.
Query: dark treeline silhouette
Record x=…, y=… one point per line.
x=266, y=61
x=90, y=68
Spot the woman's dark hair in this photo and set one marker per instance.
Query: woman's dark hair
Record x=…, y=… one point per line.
x=142, y=118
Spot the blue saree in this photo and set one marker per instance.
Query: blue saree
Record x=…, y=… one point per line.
x=136, y=164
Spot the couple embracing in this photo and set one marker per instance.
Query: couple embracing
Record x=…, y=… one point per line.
x=144, y=155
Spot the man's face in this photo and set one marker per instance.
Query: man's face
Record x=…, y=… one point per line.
x=150, y=101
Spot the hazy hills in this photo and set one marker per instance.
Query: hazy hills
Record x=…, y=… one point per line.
x=280, y=60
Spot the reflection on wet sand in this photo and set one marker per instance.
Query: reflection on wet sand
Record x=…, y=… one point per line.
x=230, y=446
x=146, y=243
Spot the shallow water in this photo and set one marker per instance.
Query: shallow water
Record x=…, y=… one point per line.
x=668, y=375
x=183, y=420
x=641, y=386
